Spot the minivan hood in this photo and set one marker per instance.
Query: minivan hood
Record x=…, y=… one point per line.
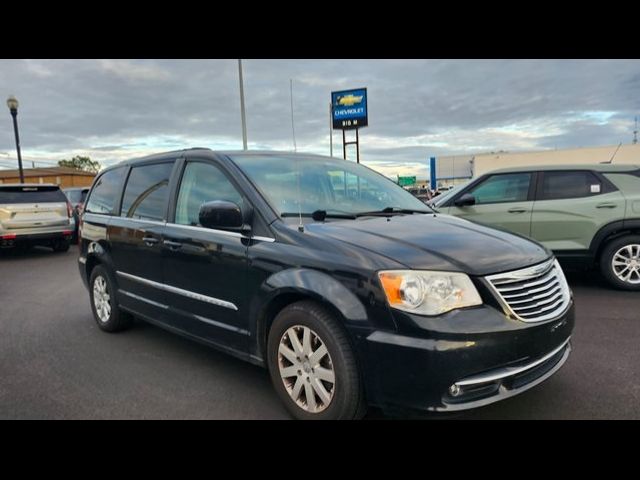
x=436, y=242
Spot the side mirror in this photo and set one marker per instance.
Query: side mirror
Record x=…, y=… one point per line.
x=223, y=215
x=465, y=200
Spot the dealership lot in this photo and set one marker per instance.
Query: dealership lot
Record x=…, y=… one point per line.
x=56, y=364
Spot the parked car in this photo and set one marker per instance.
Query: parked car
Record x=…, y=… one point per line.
x=35, y=214
x=420, y=193
x=349, y=296
x=76, y=197
x=588, y=215
x=441, y=198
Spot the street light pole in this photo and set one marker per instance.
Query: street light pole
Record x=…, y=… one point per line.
x=244, y=120
x=12, y=103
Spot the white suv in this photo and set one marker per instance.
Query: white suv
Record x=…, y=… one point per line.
x=35, y=214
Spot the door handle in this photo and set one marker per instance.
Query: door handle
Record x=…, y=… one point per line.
x=172, y=245
x=606, y=205
x=517, y=210
x=150, y=241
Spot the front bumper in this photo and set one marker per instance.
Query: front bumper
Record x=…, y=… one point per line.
x=448, y=370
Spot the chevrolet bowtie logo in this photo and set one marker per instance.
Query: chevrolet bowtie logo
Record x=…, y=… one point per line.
x=349, y=100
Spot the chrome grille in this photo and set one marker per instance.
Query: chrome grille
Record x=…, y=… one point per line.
x=533, y=294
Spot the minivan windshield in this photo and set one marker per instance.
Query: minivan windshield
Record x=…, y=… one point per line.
x=335, y=187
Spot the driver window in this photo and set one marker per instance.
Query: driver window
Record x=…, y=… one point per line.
x=510, y=187
x=201, y=183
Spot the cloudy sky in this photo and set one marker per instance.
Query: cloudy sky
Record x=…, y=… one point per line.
x=116, y=109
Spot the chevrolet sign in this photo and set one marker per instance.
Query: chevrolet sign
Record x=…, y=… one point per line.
x=349, y=109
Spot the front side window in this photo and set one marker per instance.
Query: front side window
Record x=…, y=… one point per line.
x=202, y=183
x=510, y=187
x=105, y=191
x=558, y=185
x=308, y=184
x=146, y=193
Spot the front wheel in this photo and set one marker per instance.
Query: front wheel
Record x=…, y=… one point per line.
x=312, y=364
x=620, y=262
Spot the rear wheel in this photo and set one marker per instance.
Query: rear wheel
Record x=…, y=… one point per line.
x=312, y=364
x=620, y=262
x=61, y=245
x=106, y=312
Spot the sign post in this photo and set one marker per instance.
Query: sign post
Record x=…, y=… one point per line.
x=349, y=112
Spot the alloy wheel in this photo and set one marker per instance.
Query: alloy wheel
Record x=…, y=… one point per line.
x=306, y=369
x=101, y=299
x=626, y=264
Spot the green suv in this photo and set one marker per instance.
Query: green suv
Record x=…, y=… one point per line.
x=586, y=214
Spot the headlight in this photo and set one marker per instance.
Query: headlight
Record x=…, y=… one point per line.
x=428, y=293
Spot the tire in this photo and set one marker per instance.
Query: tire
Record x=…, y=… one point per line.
x=112, y=319
x=61, y=245
x=623, y=249
x=345, y=396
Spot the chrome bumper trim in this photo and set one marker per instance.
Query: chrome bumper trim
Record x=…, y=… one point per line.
x=509, y=371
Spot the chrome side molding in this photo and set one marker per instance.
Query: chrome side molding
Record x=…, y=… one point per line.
x=179, y=291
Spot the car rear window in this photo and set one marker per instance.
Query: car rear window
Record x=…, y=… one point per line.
x=147, y=190
x=76, y=196
x=105, y=191
x=569, y=184
x=35, y=194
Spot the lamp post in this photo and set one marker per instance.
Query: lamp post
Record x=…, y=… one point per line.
x=12, y=103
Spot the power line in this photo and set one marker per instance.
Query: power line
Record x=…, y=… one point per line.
x=30, y=159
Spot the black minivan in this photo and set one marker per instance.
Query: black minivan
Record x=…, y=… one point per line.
x=351, y=291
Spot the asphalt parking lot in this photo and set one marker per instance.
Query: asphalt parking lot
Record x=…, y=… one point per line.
x=56, y=364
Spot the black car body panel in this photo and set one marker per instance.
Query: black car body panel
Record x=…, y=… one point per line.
x=446, y=246
x=224, y=288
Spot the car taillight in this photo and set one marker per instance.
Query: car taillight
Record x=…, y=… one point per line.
x=69, y=210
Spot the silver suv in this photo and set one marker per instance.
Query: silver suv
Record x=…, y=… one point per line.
x=35, y=214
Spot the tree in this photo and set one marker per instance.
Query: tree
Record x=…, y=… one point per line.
x=81, y=163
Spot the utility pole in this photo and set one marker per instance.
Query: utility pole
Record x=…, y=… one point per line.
x=330, y=129
x=635, y=132
x=242, y=114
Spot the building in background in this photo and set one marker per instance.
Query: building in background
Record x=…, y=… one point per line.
x=64, y=176
x=450, y=170
x=456, y=169
x=626, y=154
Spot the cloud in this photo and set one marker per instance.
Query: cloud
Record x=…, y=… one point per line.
x=115, y=109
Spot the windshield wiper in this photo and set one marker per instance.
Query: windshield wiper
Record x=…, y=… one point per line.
x=391, y=211
x=319, y=215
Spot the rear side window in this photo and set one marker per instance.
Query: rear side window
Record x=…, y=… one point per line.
x=105, y=191
x=74, y=196
x=145, y=196
x=509, y=187
x=20, y=194
x=559, y=185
